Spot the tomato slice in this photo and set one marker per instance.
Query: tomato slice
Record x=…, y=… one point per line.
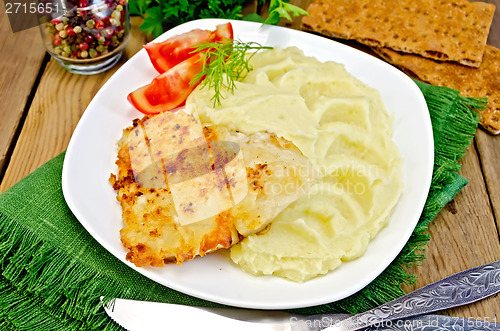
x=177, y=66
x=223, y=32
x=174, y=50
x=168, y=90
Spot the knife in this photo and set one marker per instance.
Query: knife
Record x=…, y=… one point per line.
x=456, y=290
x=462, y=288
x=153, y=316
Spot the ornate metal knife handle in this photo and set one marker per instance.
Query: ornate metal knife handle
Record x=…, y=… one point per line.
x=459, y=289
x=438, y=323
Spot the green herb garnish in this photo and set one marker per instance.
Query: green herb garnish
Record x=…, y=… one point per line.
x=161, y=15
x=281, y=8
x=224, y=63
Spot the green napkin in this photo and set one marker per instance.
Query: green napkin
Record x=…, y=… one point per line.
x=53, y=272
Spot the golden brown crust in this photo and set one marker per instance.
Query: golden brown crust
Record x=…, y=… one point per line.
x=221, y=237
x=142, y=255
x=451, y=30
x=152, y=234
x=471, y=82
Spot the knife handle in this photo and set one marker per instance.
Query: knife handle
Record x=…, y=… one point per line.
x=438, y=323
x=416, y=323
x=459, y=289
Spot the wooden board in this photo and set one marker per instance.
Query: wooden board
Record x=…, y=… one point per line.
x=17, y=50
x=59, y=102
x=489, y=147
x=463, y=235
x=489, y=150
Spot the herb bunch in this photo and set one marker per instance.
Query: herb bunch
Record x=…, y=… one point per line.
x=161, y=15
x=224, y=63
x=282, y=9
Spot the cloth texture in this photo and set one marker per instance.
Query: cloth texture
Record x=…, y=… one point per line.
x=53, y=272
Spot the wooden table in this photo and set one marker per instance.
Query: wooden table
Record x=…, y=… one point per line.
x=41, y=104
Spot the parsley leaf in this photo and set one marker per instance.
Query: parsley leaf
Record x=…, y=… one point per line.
x=281, y=8
x=161, y=15
x=153, y=21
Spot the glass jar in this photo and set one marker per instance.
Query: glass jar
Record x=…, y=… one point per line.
x=86, y=36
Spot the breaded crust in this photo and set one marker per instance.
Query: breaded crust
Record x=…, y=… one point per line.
x=152, y=233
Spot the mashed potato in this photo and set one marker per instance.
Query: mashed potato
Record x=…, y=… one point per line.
x=342, y=127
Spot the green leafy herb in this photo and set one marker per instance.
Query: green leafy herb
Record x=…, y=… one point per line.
x=254, y=17
x=152, y=22
x=281, y=8
x=161, y=15
x=224, y=63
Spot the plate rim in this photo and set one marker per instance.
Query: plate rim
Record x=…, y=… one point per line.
x=205, y=23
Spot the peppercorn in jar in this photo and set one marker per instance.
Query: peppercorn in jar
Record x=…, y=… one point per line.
x=89, y=36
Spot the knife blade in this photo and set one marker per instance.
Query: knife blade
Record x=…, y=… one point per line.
x=461, y=288
x=135, y=315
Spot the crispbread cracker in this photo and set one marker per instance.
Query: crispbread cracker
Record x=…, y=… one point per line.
x=446, y=30
x=472, y=82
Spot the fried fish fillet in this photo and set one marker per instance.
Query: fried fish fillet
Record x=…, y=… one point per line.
x=275, y=174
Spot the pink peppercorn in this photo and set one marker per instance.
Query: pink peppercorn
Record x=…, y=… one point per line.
x=84, y=46
x=70, y=31
x=99, y=25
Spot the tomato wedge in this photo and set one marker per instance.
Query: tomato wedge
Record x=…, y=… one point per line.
x=174, y=50
x=168, y=90
x=223, y=32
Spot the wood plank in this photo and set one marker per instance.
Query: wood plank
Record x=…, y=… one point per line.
x=59, y=102
x=463, y=236
x=489, y=151
x=489, y=146
x=24, y=50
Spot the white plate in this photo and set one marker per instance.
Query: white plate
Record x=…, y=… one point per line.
x=92, y=152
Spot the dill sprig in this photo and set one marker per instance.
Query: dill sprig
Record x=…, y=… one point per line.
x=224, y=62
